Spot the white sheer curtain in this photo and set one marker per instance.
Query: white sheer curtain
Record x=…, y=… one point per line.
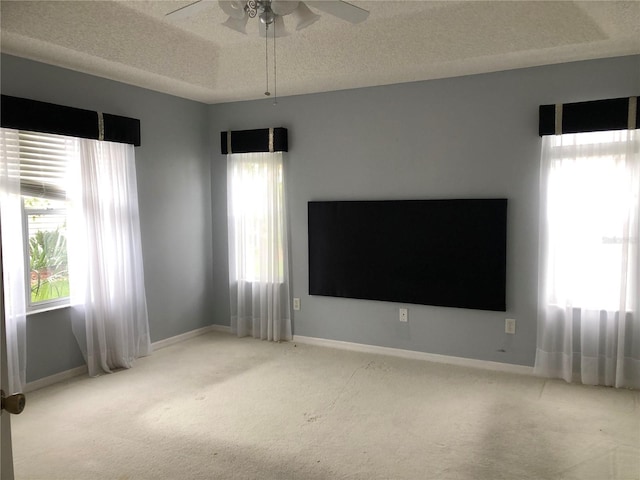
x=13, y=258
x=258, y=246
x=589, y=318
x=108, y=297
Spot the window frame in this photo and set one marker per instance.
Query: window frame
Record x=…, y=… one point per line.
x=47, y=192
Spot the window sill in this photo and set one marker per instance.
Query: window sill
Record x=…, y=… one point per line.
x=43, y=309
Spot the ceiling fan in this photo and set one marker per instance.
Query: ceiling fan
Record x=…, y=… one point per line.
x=271, y=12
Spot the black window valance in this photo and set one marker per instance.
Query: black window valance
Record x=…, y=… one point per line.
x=594, y=116
x=250, y=141
x=25, y=114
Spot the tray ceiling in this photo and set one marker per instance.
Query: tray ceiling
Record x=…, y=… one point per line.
x=401, y=41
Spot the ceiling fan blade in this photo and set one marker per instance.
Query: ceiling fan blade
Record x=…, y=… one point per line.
x=233, y=8
x=303, y=16
x=283, y=7
x=237, y=24
x=190, y=10
x=343, y=10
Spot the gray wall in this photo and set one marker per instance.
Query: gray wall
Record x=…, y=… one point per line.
x=464, y=137
x=173, y=171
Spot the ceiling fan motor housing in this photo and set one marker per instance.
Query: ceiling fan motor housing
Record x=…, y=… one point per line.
x=266, y=14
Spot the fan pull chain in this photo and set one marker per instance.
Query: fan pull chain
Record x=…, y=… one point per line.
x=266, y=60
x=266, y=57
x=275, y=78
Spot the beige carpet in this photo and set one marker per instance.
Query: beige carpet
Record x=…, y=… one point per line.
x=218, y=407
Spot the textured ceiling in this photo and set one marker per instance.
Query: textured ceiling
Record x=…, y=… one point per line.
x=401, y=41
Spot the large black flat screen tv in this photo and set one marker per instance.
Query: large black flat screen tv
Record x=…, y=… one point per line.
x=433, y=252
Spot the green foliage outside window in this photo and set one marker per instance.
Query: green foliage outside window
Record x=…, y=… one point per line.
x=48, y=266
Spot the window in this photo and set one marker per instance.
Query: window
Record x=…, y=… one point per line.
x=257, y=208
x=590, y=203
x=43, y=177
x=258, y=247
x=589, y=310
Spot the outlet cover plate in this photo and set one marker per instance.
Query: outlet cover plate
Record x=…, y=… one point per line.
x=510, y=326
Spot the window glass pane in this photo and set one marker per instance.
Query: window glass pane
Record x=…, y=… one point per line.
x=257, y=198
x=590, y=197
x=47, y=243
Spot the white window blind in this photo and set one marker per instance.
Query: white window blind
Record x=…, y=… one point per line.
x=43, y=164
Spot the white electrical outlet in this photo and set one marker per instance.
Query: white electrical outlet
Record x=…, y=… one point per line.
x=404, y=315
x=510, y=326
x=296, y=304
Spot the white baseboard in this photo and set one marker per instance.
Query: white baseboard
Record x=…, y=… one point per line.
x=411, y=354
x=182, y=337
x=321, y=342
x=56, y=378
x=74, y=372
x=221, y=328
